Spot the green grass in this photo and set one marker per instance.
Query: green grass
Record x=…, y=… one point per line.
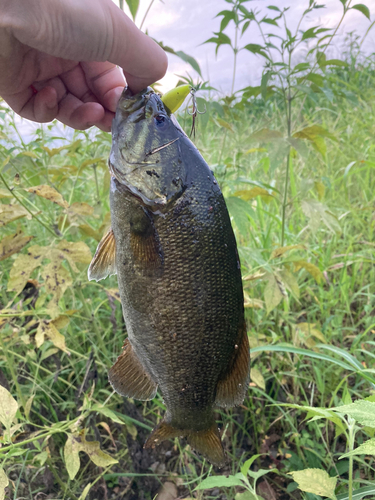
x=70, y=390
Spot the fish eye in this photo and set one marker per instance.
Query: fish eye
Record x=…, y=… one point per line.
x=161, y=121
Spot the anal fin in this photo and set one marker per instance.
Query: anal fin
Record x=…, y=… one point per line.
x=232, y=387
x=104, y=262
x=128, y=377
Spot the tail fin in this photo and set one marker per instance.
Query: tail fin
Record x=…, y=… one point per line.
x=206, y=442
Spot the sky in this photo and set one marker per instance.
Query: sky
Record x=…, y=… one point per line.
x=185, y=25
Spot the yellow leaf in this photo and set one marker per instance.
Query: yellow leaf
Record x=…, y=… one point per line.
x=289, y=281
x=315, y=481
x=274, y=292
x=254, y=303
x=71, y=455
x=89, y=231
x=225, y=124
x=28, y=405
x=30, y=154
x=61, y=322
x=56, y=279
x=10, y=213
x=249, y=194
x=257, y=378
x=76, y=251
x=8, y=407
x=4, y=193
x=48, y=329
x=278, y=252
x=77, y=443
x=255, y=150
x=308, y=329
x=12, y=244
x=49, y=193
x=23, y=266
x=253, y=276
x=320, y=189
x=93, y=161
x=114, y=292
x=4, y=482
x=310, y=268
x=85, y=492
x=81, y=208
x=6, y=161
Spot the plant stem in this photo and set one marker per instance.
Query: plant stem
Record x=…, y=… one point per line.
x=13, y=374
x=146, y=13
x=24, y=206
x=351, y=428
x=59, y=480
x=289, y=125
x=235, y=59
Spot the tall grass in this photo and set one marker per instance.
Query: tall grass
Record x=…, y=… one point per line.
x=61, y=387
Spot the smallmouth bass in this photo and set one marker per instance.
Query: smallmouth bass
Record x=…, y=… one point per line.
x=174, y=252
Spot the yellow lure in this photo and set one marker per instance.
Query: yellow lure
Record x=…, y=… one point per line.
x=174, y=98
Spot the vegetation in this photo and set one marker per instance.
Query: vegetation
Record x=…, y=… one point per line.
x=295, y=159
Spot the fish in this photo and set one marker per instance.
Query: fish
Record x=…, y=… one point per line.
x=173, y=249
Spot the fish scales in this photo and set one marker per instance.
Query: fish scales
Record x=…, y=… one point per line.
x=180, y=284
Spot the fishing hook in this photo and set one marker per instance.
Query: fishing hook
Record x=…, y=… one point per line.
x=195, y=111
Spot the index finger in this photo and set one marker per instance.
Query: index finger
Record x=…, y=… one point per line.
x=143, y=60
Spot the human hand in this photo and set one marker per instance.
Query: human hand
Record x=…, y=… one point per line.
x=58, y=60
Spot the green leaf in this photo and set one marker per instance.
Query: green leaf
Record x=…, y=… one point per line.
x=358, y=494
x=266, y=135
x=289, y=281
x=190, y=60
x=257, y=378
x=103, y=410
x=133, y=7
x=317, y=212
x=219, y=482
x=255, y=48
x=334, y=62
x=246, y=466
x=362, y=8
x=4, y=482
x=362, y=411
x=247, y=495
x=310, y=33
x=240, y=210
x=315, y=481
x=260, y=473
x=286, y=348
x=366, y=448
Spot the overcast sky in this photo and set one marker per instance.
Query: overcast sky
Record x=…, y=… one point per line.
x=185, y=25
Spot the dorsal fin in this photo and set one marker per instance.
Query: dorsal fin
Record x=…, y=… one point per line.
x=232, y=387
x=104, y=262
x=129, y=378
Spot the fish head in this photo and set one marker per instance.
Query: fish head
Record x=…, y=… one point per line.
x=145, y=155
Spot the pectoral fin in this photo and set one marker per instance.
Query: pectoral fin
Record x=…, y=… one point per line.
x=144, y=240
x=104, y=262
x=232, y=388
x=128, y=377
